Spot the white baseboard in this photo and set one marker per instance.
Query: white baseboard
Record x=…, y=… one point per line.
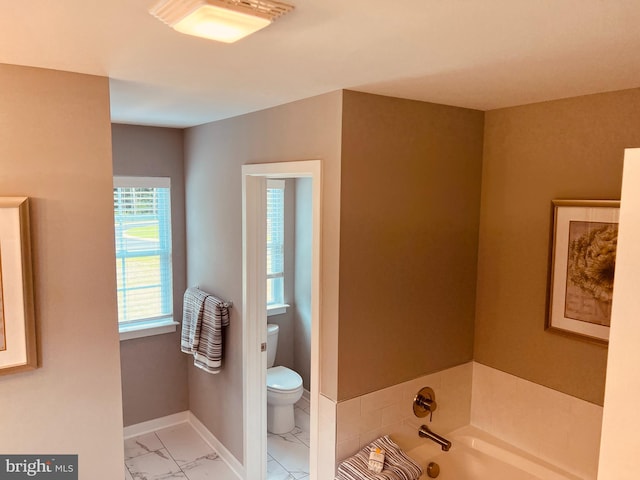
x=184, y=417
x=224, y=454
x=306, y=394
x=155, y=424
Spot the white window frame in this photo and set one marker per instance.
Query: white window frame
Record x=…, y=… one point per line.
x=146, y=327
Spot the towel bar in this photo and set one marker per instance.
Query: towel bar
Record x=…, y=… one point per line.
x=224, y=304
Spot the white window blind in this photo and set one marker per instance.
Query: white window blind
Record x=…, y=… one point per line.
x=142, y=212
x=275, y=242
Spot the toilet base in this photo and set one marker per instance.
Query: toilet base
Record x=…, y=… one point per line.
x=280, y=418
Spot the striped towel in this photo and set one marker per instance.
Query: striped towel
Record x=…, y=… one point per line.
x=397, y=464
x=208, y=351
x=192, y=308
x=202, y=320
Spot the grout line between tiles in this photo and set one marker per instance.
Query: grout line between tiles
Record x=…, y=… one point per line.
x=281, y=466
x=170, y=454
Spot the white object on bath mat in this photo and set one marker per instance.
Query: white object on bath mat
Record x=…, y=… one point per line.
x=376, y=459
x=398, y=465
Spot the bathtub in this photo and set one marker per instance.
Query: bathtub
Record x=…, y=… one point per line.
x=475, y=455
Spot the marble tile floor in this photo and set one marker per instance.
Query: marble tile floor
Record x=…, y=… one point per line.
x=180, y=452
x=173, y=452
x=288, y=454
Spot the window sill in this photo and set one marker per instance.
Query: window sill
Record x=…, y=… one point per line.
x=147, y=329
x=277, y=309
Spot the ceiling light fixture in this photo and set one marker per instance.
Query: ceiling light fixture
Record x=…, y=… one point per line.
x=221, y=20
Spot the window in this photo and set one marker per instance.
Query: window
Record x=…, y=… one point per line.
x=142, y=213
x=275, y=244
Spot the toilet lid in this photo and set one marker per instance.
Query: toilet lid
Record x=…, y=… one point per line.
x=283, y=379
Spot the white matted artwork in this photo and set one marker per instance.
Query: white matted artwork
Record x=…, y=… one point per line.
x=585, y=236
x=17, y=323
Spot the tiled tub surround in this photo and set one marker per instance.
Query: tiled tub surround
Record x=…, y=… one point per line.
x=553, y=426
x=390, y=411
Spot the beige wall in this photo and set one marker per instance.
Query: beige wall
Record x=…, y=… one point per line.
x=408, y=243
x=215, y=152
x=569, y=148
x=55, y=147
x=154, y=371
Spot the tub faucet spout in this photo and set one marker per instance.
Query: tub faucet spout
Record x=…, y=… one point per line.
x=425, y=432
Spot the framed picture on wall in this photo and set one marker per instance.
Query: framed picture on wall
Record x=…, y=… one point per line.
x=17, y=324
x=583, y=256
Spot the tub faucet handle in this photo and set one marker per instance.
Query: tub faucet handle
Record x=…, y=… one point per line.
x=424, y=403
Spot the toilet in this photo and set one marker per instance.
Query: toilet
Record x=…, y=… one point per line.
x=284, y=388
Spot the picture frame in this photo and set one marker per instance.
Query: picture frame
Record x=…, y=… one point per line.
x=18, y=350
x=582, y=265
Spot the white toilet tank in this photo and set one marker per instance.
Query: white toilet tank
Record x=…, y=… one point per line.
x=272, y=343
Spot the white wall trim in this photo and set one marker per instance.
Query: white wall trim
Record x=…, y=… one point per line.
x=327, y=434
x=306, y=394
x=619, y=441
x=147, y=329
x=254, y=300
x=155, y=424
x=223, y=452
x=254, y=318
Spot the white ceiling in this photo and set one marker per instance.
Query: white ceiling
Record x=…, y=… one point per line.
x=481, y=54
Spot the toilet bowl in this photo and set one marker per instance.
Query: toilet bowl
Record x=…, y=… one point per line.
x=284, y=388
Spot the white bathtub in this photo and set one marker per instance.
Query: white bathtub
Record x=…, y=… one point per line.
x=475, y=455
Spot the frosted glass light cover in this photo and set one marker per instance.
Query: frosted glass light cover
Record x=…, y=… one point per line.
x=220, y=24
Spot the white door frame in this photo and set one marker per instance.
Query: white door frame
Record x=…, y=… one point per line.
x=254, y=300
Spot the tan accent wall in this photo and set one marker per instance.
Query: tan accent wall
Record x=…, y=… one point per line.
x=55, y=147
x=304, y=130
x=569, y=148
x=154, y=371
x=410, y=192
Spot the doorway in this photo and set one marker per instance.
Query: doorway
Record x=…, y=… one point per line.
x=254, y=211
